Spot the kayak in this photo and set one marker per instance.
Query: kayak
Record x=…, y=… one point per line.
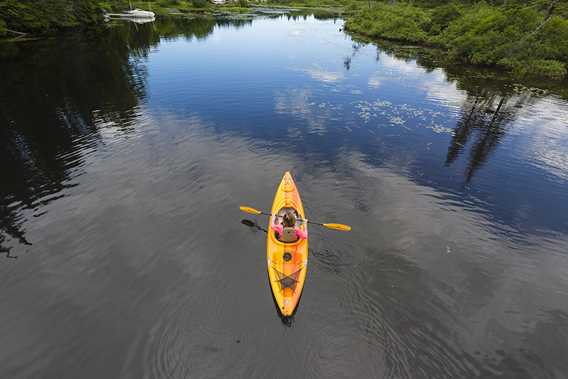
x=287, y=262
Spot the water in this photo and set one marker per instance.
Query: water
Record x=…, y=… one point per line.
x=126, y=153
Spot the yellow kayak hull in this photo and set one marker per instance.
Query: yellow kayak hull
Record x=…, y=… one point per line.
x=287, y=262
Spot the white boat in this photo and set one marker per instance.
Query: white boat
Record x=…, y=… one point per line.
x=139, y=20
x=139, y=13
x=135, y=15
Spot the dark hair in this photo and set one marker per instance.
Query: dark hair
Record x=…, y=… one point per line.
x=289, y=219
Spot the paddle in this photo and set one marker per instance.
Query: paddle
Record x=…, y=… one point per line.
x=341, y=227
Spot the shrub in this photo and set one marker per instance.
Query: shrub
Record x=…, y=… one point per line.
x=398, y=22
x=199, y=3
x=443, y=15
x=516, y=37
x=510, y=38
x=535, y=67
x=39, y=16
x=553, y=39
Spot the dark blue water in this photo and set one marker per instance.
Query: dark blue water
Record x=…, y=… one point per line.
x=126, y=152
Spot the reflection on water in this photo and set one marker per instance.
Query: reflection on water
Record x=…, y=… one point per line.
x=487, y=116
x=126, y=152
x=100, y=86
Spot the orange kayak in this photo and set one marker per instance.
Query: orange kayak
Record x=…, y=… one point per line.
x=287, y=262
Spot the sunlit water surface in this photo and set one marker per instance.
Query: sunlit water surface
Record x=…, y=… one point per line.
x=126, y=154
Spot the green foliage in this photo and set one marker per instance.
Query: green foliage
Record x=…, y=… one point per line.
x=87, y=11
x=513, y=38
x=553, y=39
x=402, y=22
x=352, y=6
x=199, y=3
x=526, y=37
x=443, y=15
x=106, y=6
x=115, y=5
x=535, y=67
x=38, y=16
x=520, y=36
x=486, y=34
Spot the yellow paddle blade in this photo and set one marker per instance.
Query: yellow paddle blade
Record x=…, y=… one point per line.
x=342, y=227
x=250, y=210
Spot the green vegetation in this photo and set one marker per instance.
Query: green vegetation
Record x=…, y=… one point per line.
x=318, y=8
x=40, y=16
x=309, y=3
x=199, y=3
x=527, y=38
x=524, y=37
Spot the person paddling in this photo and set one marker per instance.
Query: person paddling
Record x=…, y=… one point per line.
x=288, y=231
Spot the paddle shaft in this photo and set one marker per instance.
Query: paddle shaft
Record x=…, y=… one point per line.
x=303, y=219
x=342, y=227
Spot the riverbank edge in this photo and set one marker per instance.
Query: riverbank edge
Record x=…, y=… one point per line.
x=432, y=57
x=238, y=13
x=444, y=61
x=424, y=26
x=212, y=11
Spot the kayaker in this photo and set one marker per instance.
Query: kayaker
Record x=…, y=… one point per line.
x=288, y=231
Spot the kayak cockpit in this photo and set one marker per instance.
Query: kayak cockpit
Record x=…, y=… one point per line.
x=288, y=234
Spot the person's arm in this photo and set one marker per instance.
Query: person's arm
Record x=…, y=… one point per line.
x=301, y=234
x=277, y=228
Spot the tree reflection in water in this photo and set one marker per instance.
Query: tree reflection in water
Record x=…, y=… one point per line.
x=57, y=97
x=487, y=115
x=491, y=105
x=61, y=94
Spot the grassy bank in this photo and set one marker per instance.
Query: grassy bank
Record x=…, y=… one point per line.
x=527, y=38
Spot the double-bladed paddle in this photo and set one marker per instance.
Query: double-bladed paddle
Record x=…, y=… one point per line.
x=341, y=227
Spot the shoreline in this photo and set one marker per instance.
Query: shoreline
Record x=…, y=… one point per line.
x=440, y=54
x=213, y=11
x=527, y=43
x=432, y=57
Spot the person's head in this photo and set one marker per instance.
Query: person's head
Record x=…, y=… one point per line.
x=289, y=219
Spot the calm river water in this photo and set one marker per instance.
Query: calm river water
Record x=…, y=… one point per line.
x=125, y=155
